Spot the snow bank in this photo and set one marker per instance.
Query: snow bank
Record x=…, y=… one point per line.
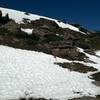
x=28, y=73
x=28, y=31
x=18, y=16
x=95, y=58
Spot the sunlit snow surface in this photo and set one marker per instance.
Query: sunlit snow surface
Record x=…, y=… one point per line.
x=33, y=74
x=28, y=31
x=95, y=58
x=18, y=17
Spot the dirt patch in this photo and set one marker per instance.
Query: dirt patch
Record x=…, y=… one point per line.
x=97, y=83
x=96, y=76
x=31, y=98
x=87, y=98
x=78, y=67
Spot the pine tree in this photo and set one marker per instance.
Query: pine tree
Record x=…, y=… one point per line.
x=7, y=17
x=0, y=14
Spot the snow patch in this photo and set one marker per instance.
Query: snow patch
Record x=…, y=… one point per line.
x=95, y=58
x=28, y=73
x=28, y=31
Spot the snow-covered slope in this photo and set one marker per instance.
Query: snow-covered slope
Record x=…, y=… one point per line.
x=94, y=58
x=18, y=17
x=34, y=74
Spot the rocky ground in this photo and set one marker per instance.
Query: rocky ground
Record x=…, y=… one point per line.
x=48, y=37
x=87, y=98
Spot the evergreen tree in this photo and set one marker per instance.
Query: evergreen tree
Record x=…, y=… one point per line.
x=7, y=17
x=0, y=14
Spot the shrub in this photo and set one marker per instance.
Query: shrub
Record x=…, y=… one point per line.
x=52, y=37
x=35, y=37
x=76, y=25
x=5, y=32
x=83, y=29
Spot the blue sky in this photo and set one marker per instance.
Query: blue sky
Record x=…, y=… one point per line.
x=84, y=12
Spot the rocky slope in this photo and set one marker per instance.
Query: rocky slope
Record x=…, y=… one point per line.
x=48, y=37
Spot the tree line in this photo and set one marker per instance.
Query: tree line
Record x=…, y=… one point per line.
x=4, y=19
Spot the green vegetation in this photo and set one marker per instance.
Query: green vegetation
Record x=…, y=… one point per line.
x=5, y=32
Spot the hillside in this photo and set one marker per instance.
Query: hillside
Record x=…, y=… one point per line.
x=43, y=58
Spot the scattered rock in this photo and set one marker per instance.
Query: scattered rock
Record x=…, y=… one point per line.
x=97, y=83
x=31, y=98
x=87, y=98
x=44, y=23
x=96, y=76
x=77, y=67
x=70, y=53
